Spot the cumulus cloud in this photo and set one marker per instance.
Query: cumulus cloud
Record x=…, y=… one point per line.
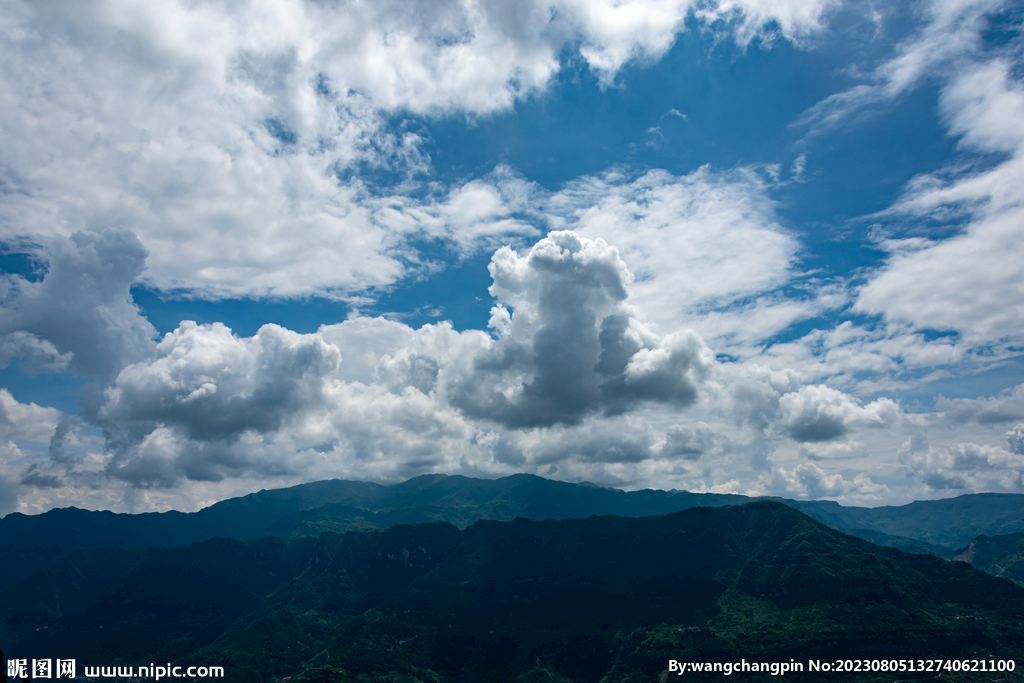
x=970, y=466
x=568, y=345
x=211, y=386
x=9, y=488
x=21, y=423
x=753, y=395
x=819, y=413
x=43, y=356
x=569, y=381
x=689, y=442
x=607, y=444
x=807, y=480
x=777, y=401
x=80, y=315
x=26, y=421
x=565, y=347
x=833, y=450
x=1015, y=439
x=479, y=214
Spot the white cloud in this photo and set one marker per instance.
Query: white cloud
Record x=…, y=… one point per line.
x=1015, y=439
x=834, y=450
x=819, y=413
x=208, y=386
x=865, y=360
x=230, y=140
x=209, y=405
x=695, y=242
x=476, y=215
x=950, y=34
x=689, y=442
x=571, y=383
x=21, y=422
x=569, y=345
x=1008, y=406
x=774, y=401
x=80, y=315
x=366, y=341
x=965, y=283
x=226, y=136
x=42, y=354
x=974, y=279
x=809, y=481
x=965, y=466
x=26, y=421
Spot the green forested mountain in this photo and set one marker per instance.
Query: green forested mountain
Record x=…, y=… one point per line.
x=598, y=599
x=82, y=579
x=164, y=602
x=907, y=545
x=996, y=555
x=40, y=541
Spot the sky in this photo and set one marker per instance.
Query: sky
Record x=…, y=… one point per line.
x=770, y=247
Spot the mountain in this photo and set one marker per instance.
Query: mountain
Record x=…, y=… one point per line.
x=79, y=581
x=907, y=545
x=951, y=522
x=40, y=541
x=604, y=598
x=996, y=555
x=162, y=603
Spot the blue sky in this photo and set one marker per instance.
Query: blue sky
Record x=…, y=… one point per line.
x=766, y=248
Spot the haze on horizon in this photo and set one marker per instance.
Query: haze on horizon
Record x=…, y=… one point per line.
x=750, y=246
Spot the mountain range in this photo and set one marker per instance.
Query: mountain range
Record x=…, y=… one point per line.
x=938, y=527
x=520, y=579
x=605, y=598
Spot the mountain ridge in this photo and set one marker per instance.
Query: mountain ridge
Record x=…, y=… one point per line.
x=306, y=510
x=606, y=598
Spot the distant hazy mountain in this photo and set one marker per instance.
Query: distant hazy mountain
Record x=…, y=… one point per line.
x=40, y=541
x=603, y=598
x=951, y=522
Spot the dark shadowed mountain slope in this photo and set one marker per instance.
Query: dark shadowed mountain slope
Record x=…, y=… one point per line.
x=79, y=581
x=164, y=602
x=604, y=599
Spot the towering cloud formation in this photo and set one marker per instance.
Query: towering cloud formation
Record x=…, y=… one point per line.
x=205, y=404
x=568, y=343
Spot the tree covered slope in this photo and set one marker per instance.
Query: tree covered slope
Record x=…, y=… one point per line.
x=599, y=599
